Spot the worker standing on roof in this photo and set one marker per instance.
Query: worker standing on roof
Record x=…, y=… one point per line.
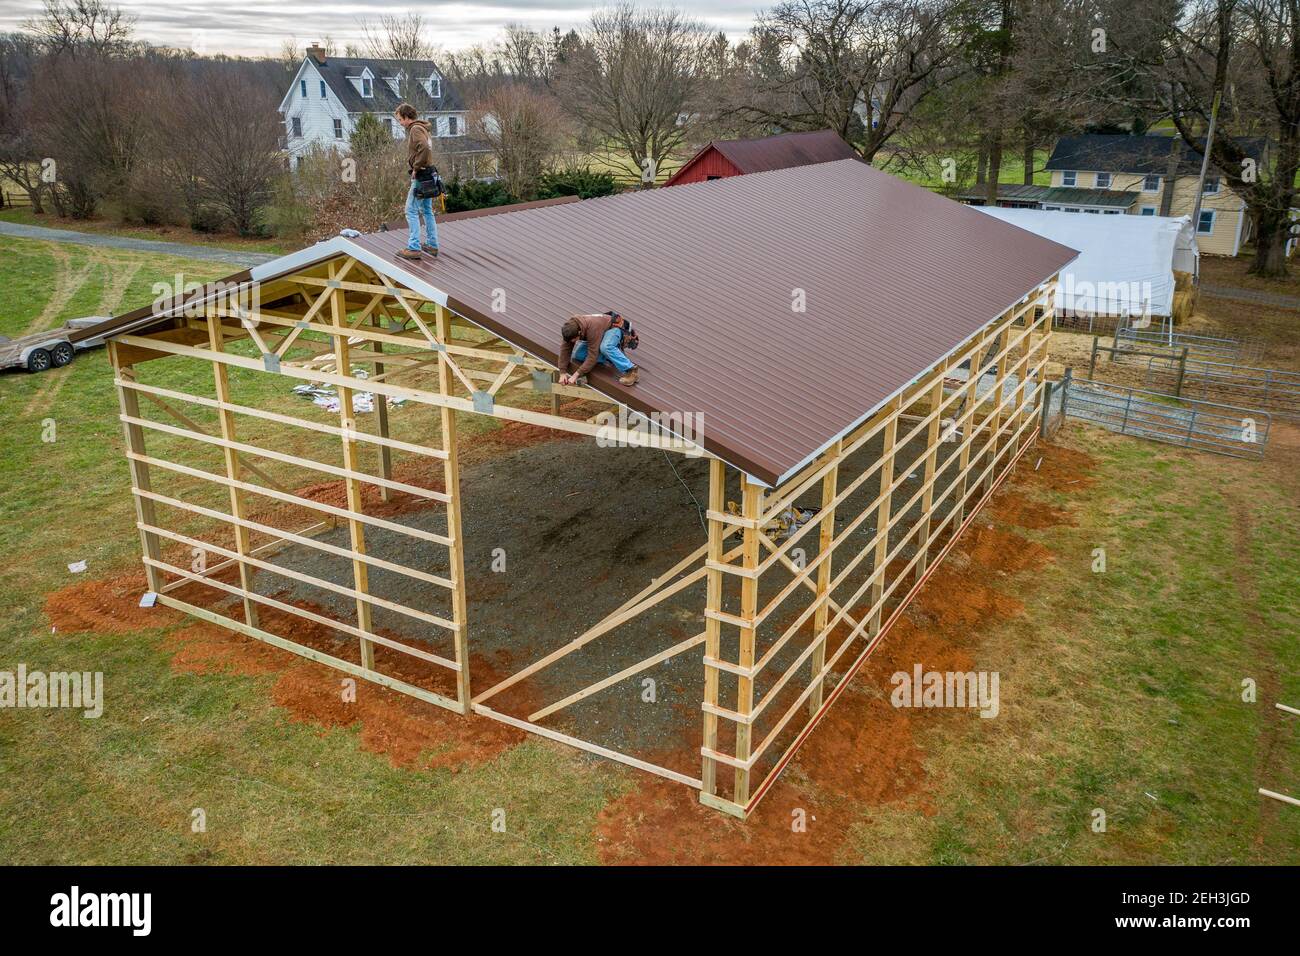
x=419, y=160
x=595, y=340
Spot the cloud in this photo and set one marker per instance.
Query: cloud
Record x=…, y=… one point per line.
x=259, y=27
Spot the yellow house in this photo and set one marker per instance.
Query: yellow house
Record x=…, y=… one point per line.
x=1140, y=166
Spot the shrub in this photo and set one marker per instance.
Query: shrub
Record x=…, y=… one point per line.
x=580, y=181
x=477, y=194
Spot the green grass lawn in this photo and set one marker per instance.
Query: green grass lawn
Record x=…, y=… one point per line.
x=1121, y=690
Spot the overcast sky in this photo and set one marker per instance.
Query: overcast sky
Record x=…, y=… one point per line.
x=252, y=27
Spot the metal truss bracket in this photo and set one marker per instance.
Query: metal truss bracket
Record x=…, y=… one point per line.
x=271, y=362
x=483, y=402
x=541, y=380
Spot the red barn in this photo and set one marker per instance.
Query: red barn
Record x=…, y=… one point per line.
x=735, y=157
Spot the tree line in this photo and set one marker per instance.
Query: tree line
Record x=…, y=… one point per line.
x=966, y=86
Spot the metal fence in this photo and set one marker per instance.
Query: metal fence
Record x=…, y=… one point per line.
x=1273, y=390
x=1207, y=347
x=1206, y=426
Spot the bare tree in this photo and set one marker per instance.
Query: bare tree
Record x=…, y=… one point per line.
x=859, y=67
x=19, y=157
x=635, y=83
x=81, y=26
x=86, y=118
x=525, y=128
x=1242, y=53
x=403, y=40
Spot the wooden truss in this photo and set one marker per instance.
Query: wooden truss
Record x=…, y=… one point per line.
x=353, y=326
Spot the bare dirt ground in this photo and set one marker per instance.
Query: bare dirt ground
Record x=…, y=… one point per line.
x=865, y=752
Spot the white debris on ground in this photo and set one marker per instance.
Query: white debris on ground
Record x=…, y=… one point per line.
x=327, y=397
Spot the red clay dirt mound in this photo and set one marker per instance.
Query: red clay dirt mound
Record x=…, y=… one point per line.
x=105, y=606
x=409, y=732
x=865, y=751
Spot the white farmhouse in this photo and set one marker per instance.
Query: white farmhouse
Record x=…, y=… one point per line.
x=330, y=93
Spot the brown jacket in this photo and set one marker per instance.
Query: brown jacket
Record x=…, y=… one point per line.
x=419, y=146
x=593, y=329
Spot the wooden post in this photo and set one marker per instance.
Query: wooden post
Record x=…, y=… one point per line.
x=381, y=411
x=351, y=461
x=712, y=626
x=970, y=409
x=826, y=533
x=932, y=438
x=129, y=404
x=883, y=513
x=751, y=508
x=216, y=338
x=1004, y=342
x=451, y=481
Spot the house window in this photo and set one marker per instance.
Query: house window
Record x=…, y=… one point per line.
x=1148, y=211
x=1070, y=209
x=297, y=125
x=1103, y=180
x=322, y=89
x=451, y=125
x=1047, y=208
x=366, y=88
x=1151, y=184
x=1069, y=177
x=1211, y=185
x=1110, y=212
x=338, y=129
x=388, y=124
x=1206, y=226
x=1095, y=212
x=302, y=87
x=435, y=86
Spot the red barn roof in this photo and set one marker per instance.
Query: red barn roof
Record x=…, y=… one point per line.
x=894, y=278
x=740, y=156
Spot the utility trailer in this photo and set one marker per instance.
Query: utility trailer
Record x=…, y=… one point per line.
x=53, y=348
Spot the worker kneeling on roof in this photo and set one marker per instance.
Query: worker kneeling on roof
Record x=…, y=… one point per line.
x=596, y=340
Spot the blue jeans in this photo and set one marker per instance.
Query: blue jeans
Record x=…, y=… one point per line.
x=610, y=351
x=414, y=209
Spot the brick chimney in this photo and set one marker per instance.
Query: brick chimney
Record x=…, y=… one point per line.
x=317, y=53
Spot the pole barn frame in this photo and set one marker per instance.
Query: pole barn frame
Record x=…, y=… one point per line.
x=320, y=320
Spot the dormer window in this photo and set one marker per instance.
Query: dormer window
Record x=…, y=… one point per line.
x=434, y=86
x=367, y=88
x=1103, y=180
x=1069, y=177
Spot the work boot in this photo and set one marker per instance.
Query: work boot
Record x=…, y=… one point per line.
x=630, y=377
x=412, y=254
x=431, y=250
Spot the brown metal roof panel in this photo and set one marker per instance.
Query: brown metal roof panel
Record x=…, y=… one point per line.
x=785, y=150
x=893, y=276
